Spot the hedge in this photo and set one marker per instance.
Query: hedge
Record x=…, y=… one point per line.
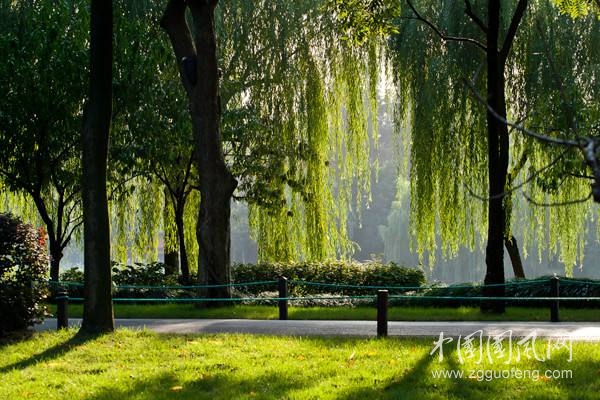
x=329, y=272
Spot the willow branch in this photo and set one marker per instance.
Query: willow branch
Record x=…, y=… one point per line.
x=174, y=23
x=475, y=18
x=564, y=203
x=520, y=185
x=512, y=29
x=442, y=35
x=579, y=143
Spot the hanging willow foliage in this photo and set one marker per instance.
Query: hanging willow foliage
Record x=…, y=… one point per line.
x=299, y=102
x=448, y=162
x=447, y=131
x=557, y=93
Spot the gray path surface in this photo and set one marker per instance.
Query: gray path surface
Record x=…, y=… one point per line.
x=589, y=331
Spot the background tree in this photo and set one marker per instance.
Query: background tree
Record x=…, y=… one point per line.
x=297, y=123
x=153, y=139
x=41, y=78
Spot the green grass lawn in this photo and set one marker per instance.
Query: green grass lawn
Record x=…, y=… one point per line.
x=144, y=365
x=341, y=313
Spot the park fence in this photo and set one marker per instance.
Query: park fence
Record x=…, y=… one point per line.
x=380, y=296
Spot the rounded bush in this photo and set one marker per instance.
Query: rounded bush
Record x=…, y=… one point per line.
x=23, y=272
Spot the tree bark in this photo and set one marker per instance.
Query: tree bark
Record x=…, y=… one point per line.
x=216, y=181
x=217, y=184
x=498, y=150
x=497, y=165
x=515, y=257
x=171, y=256
x=56, y=255
x=185, y=267
x=97, y=306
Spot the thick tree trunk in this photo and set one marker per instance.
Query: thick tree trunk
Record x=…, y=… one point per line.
x=497, y=165
x=515, y=257
x=217, y=184
x=200, y=78
x=171, y=263
x=97, y=306
x=498, y=149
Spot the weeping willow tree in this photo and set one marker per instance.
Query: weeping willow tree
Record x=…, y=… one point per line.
x=556, y=94
x=153, y=153
x=295, y=122
x=441, y=85
x=299, y=103
x=448, y=147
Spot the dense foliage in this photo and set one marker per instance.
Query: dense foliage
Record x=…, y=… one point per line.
x=448, y=165
x=329, y=272
x=460, y=294
x=23, y=268
x=152, y=276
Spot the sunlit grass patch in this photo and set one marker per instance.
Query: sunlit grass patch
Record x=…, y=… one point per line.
x=144, y=365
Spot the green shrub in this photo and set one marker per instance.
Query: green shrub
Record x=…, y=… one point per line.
x=519, y=290
x=329, y=273
x=72, y=281
x=150, y=276
x=23, y=269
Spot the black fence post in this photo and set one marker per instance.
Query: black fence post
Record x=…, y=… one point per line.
x=554, y=292
x=62, y=309
x=382, y=313
x=283, y=294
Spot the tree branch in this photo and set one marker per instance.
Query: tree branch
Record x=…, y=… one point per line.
x=474, y=17
x=443, y=36
x=579, y=143
x=520, y=185
x=174, y=23
x=564, y=203
x=512, y=29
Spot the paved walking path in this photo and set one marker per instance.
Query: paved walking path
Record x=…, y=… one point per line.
x=575, y=330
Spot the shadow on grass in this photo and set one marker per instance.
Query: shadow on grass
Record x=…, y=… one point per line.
x=219, y=385
x=15, y=337
x=53, y=352
x=419, y=383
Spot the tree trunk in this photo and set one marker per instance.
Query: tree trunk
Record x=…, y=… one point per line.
x=217, y=184
x=200, y=78
x=171, y=263
x=497, y=165
x=185, y=267
x=97, y=306
x=171, y=256
x=498, y=149
x=56, y=255
x=515, y=257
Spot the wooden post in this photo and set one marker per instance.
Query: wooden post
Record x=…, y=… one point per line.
x=62, y=309
x=382, y=313
x=283, y=294
x=554, y=292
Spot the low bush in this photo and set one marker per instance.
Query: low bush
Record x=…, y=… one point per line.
x=519, y=290
x=23, y=271
x=72, y=281
x=149, y=277
x=330, y=274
